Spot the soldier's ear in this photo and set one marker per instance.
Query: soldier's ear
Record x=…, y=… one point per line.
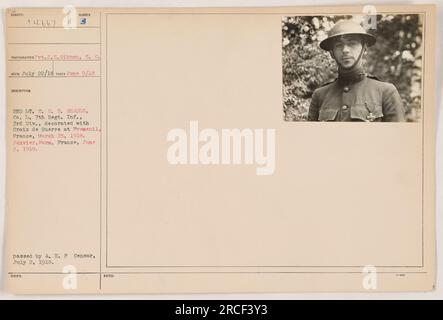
x=365, y=48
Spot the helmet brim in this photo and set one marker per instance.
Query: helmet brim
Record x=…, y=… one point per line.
x=326, y=44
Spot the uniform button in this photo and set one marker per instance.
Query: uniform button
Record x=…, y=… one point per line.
x=346, y=89
x=345, y=107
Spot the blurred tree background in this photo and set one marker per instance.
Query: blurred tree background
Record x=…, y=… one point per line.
x=395, y=58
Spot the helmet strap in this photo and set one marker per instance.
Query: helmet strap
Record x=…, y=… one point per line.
x=358, y=61
x=353, y=74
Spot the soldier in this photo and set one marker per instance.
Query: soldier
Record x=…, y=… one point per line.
x=354, y=96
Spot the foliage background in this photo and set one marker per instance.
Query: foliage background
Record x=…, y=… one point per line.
x=396, y=58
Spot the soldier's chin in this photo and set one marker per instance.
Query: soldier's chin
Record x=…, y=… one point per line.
x=347, y=64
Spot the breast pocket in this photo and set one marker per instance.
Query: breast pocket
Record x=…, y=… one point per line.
x=367, y=112
x=327, y=114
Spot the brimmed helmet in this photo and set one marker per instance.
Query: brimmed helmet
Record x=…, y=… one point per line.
x=347, y=27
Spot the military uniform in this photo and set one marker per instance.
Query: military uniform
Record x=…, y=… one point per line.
x=364, y=99
x=354, y=96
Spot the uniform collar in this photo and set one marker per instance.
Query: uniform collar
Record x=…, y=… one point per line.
x=354, y=75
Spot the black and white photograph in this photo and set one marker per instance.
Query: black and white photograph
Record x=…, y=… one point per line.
x=175, y=152
x=352, y=68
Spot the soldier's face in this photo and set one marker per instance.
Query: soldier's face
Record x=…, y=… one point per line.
x=347, y=50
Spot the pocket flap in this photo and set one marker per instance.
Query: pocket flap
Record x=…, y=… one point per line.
x=327, y=114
